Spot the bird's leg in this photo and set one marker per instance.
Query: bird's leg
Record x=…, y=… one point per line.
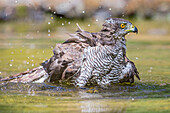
x=82, y=80
x=85, y=73
x=64, y=73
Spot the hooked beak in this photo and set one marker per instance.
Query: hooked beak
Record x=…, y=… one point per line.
x=133, y=29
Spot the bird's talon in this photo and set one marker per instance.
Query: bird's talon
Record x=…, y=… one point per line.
x=92, y=90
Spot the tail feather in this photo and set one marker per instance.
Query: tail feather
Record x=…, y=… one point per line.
x=38, y=75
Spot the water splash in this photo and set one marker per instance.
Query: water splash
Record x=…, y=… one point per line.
x=133, y=99
x=150, y=69
x=49, y=30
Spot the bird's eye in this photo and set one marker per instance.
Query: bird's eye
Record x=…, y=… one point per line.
x=122, y=25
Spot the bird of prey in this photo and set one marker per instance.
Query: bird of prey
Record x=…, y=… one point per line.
x=86, y=57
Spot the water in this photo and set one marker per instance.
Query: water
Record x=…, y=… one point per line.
x=53, y=98
x=151, y=94
x=116, y=91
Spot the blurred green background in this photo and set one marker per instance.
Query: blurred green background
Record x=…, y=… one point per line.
x=29, y=30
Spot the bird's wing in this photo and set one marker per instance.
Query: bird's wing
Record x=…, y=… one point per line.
x=134, y=70
x=66, y=58
x=81, y=36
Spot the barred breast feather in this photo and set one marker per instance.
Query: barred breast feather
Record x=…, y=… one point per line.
x=104, y=63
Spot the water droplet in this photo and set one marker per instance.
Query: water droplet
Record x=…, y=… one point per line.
x=49, y=23
x=149, y=70
x=49, y=35
x=110, y=9
x=69, y=22
x=83, y=11
x=10, y=65
x=62, y=24
x=88, y=24
x=27, y=62
x=97, y=20
x=32, y=64
x=48, y=30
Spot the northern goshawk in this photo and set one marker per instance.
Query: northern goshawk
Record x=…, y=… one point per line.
x=95, y=58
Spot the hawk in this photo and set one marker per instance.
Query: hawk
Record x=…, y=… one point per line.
x=86, y=57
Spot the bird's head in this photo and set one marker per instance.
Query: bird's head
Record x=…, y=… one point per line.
x=119, y=27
